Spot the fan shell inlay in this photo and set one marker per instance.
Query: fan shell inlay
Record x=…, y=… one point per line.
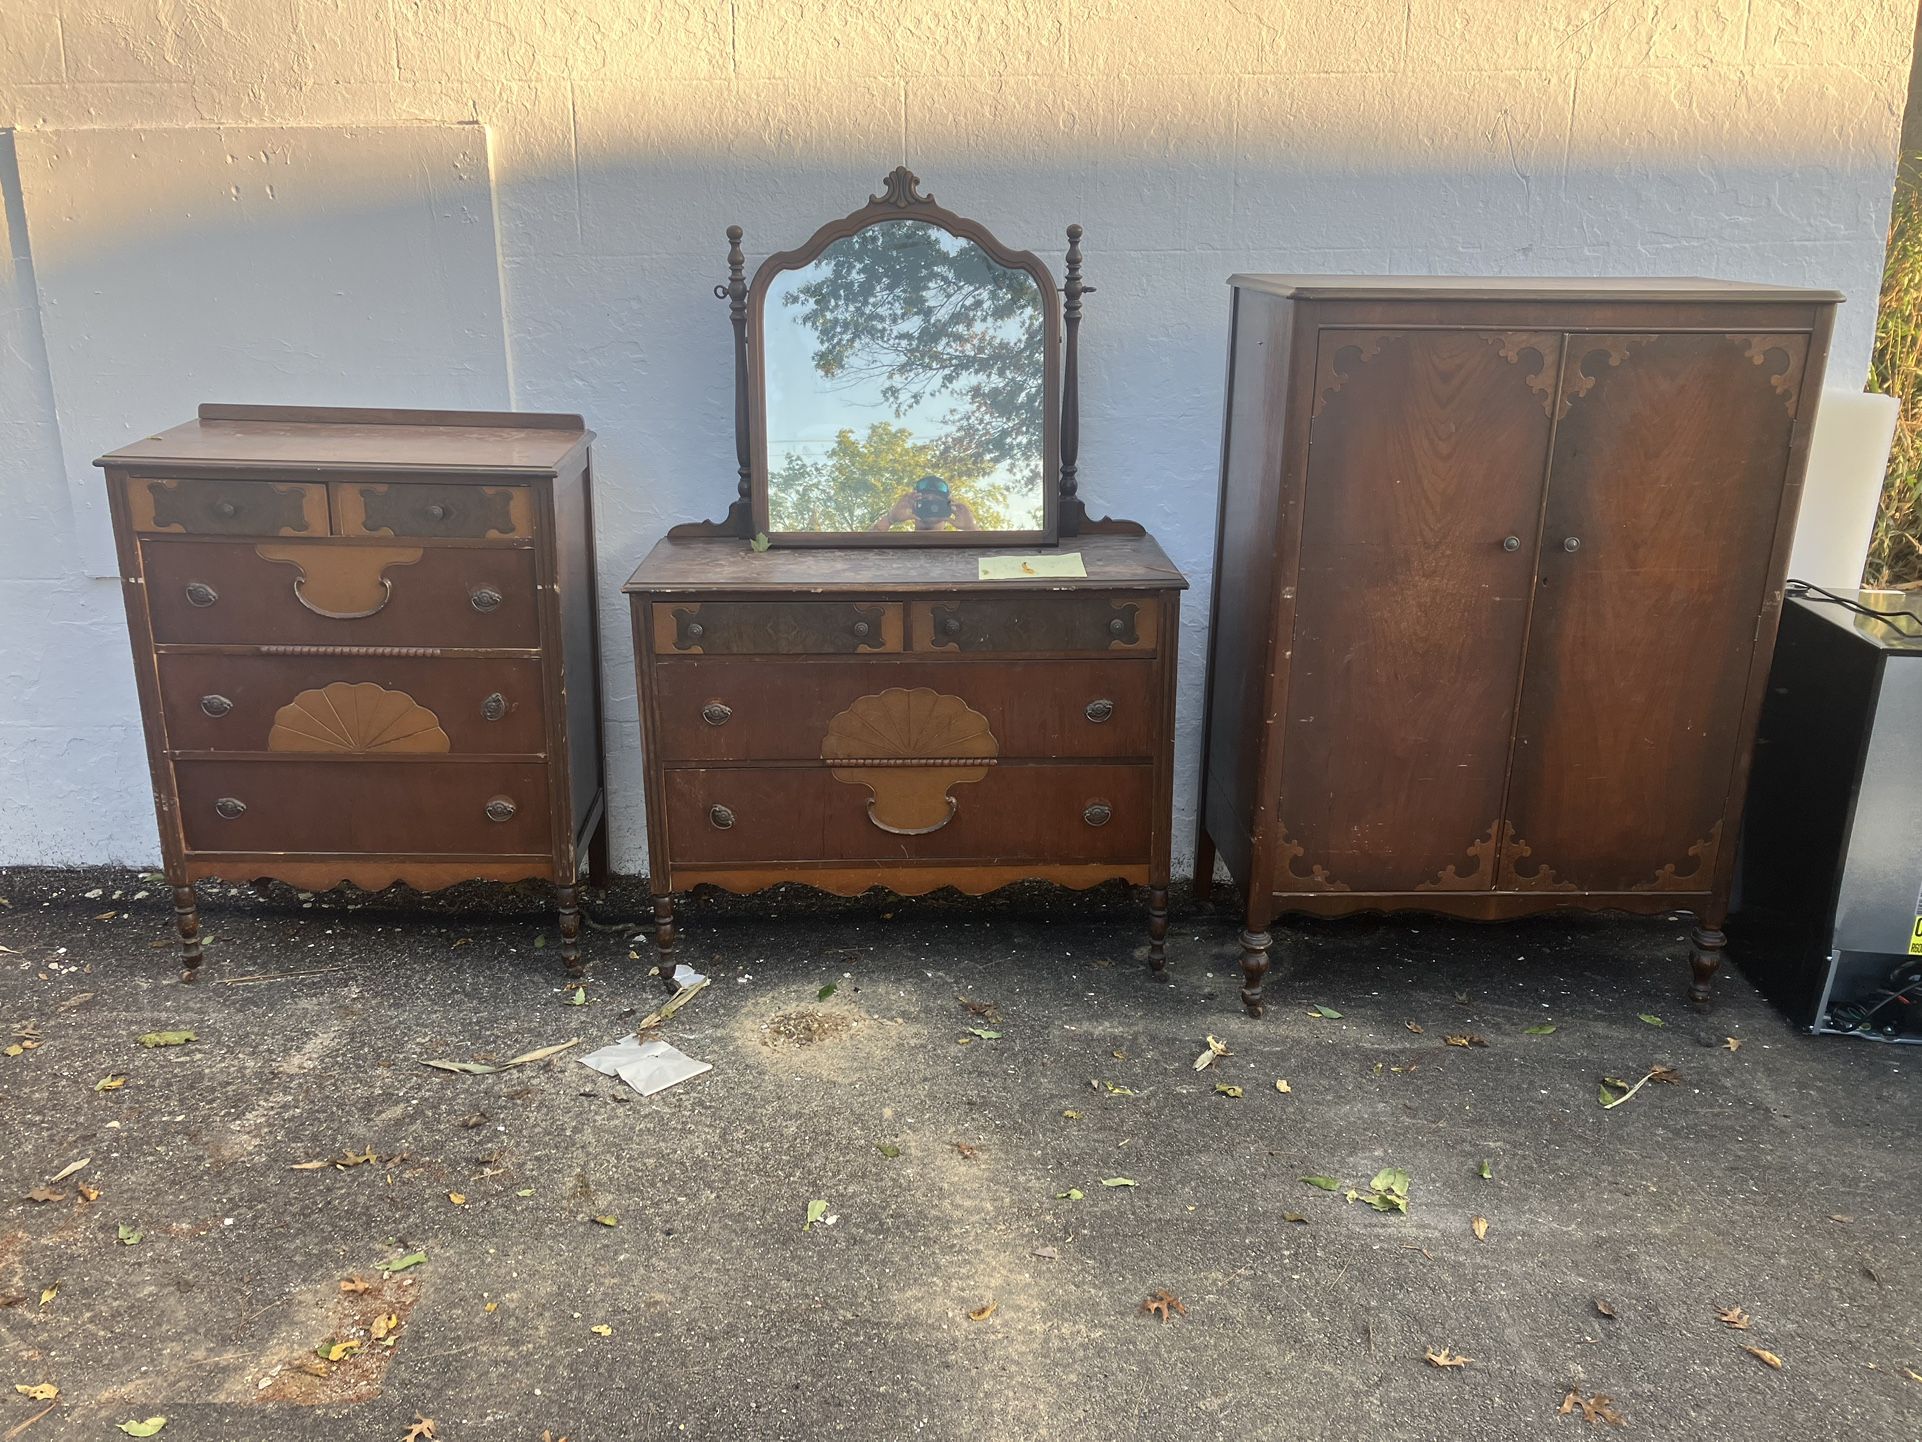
x=908, y=747
x=356, y=718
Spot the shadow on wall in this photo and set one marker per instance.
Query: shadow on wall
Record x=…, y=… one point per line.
x=605, y=276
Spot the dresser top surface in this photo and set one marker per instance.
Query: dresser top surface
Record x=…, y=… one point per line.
x=1526, y=287
x=729, y=564
x=325, y=438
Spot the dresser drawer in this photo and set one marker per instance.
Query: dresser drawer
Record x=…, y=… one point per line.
x=438, y=511
x=776, y=628
x=230, y=703
x=211, y=506
x=341, y=593
x=372, y=807
x=1011, y=813
x=1036, y=622
x=724, y=709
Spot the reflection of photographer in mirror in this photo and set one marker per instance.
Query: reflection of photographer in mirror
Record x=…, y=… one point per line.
x=929, y=507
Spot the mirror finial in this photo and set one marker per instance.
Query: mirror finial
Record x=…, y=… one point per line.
x=901, y=187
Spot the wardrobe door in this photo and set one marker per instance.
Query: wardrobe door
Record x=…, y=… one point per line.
x=1663, y=496
x=1426, y=455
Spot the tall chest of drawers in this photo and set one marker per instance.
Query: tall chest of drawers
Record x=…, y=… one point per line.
x=366, y=649
x=860, y=718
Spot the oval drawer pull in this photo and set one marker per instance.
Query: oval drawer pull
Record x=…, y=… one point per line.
x=501, y=808
x=199, y=593
x=484, y=599
x=716, y=713
x=386, y=594
x=437, y=512
x=1097, y=813
x=216, y=705
x=720, y=817
x=228, y=807
x=1099, y=711
x=494, y=707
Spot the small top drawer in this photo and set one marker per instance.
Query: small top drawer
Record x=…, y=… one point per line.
x=776, y=628
x=209, y=506
x=341, y=593
x=437, y=511
x=1054, y=622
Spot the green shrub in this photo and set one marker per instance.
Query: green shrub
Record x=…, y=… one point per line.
x=1895, y=554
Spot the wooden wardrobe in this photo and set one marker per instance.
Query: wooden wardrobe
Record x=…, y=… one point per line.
x=1497, y=576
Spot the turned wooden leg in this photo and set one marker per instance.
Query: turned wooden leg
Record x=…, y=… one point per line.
x=1254, y=968
x=569, y=898
x=187, y=919
x=1705, y=957
x=1158, y=928
x=1204, y=866
x=664, y=935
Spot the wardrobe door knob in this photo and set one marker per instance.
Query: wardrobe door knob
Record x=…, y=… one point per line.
x=1511, y=543
x=494, y=707
x=1572, y=543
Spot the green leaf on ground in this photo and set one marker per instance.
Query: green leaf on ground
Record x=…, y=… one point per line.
x=402, y=1264
x=167, y=1038
x=1223, y=1089
x=816, y=1211
x=888, y=1150
x=1390, y=1179
x=540, y=941
x=1327, y=1184
x=143, y=1429
x=1073, y=1194
x=1652, y=1019
x=985, y=1033
x=334, y=1351
x=760, y=541
x=610, y=1220
x=1486, y=1171
x=1324, y=1011
x=127, y=1236
x=579, y=998
x=825, y=992
x=1117, y=1181
x=1545, y=1029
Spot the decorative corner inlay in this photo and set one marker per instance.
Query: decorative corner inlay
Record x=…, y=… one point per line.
x=1318, y=878
x=1576, y=381
x=1669, y=878
x=1787, y=382
x=1510, y=344
x=901, y=187
x=1543, y=878
x=1482, y=878
x=1330, y=376
x=356, y=718
x=909, y=747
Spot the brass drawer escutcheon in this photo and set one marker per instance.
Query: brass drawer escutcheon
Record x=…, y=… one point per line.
x=228, y=807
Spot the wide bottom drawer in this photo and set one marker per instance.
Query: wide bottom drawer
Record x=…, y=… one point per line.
x=1051, y=813
x=374, y=807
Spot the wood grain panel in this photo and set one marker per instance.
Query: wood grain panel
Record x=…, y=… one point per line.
x=1667, y=476
x=1038, y=709
x=776, y=628
x=1426, y=456
x=445, y=512
x=215, y=506
x=1036, y=623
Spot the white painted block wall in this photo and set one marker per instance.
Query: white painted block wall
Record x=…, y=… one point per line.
x=1754, y=139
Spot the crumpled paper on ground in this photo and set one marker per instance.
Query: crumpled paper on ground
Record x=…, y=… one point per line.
x=647, y=1066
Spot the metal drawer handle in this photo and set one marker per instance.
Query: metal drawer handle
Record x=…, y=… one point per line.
x=437, y=512
x=1572, y=543
x=716, y=713
x=484, y=599
x=386, y=593
x=1511, y=543
x=721, y=817
x=494, y=707
x=229, y=807
x=861, y=629
x=952, y=625
x=1099, y=711
x=501, y=808
x=226, y=510
x=216, y=705
x=1097, y=813
x=694, y=631
x=199, y=593
x=1117, y=626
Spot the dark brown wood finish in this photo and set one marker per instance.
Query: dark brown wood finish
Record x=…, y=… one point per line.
x=1041, y=750
x=1506, y=560
x=408, y=692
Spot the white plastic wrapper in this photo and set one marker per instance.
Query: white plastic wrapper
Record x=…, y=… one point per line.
x=647, y=1066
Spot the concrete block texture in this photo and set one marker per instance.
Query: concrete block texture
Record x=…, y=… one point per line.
x=1754, y=139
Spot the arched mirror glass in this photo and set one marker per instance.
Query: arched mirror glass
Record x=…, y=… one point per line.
x=907, y=388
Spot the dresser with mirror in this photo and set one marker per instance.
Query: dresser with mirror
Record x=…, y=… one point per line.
x=906, y=657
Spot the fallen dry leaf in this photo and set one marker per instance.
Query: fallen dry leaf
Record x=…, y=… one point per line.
x=1464, y=1038
x=1446, y=1358
x=1734, y=1316
x=38, y=1391
x=457, y=1198
x=1281, y=1085
x=1480, y=1224
x=309, y=1166
x=1732, y=1043
x=1604, y=1308
x=421, y=1431
x=46, y=1194
x=1599, y=1408
x=354, y=1284
x=1765, y=1357
x=984, y=1311
x=601, y=1329
x=92, y=1194
x=1164, y=1304
x=385, y=1326
x=967, y=1149
x=1413, y=1026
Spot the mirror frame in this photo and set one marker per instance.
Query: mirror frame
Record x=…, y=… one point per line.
x=900, y=200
